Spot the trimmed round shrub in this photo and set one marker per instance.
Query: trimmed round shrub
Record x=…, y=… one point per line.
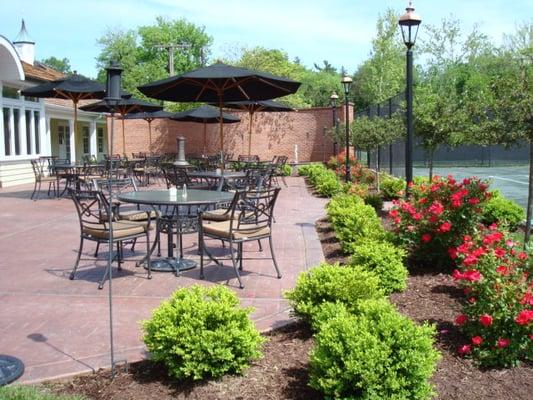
x=391, y=187
x=386, y=261
x=327, y=184
x=202, y=332
x=374, y=200
x=286, y=170
x=332, y=283
x=503, y=212
x=353, y=222
x=378, y=354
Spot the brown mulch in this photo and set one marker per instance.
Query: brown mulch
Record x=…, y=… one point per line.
x=283, y=371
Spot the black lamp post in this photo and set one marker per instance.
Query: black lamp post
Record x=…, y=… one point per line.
x=333, y=101
x=346, y=83
x=114, y=77
x=409, y=23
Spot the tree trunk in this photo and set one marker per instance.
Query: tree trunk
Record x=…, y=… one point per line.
x=529, y=196
x=430, y=163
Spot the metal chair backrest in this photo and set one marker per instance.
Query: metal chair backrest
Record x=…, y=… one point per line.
x=115, y=185
x=254, y=207
x=174, y=175
x=38, y=170
x=250, y=159
x=88, y=205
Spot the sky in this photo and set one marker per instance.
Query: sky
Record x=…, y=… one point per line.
x=339, y=31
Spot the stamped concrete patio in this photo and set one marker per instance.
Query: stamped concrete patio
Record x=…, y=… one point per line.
x=59, y=327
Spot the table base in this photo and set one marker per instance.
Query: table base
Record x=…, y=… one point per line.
x=169, y=264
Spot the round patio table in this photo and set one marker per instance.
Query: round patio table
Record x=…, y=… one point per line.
x=155, y=198
x=215, y=179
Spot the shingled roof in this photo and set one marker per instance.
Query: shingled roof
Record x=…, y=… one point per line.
x=40, y=72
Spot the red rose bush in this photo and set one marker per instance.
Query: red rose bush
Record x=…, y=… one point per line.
x=497, y=280
x=437, y=215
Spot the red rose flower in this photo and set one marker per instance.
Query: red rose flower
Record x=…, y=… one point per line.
x=485, y=320
x=502, y=342
x=473, y=275
x=499, y=252
x=522, y=255
x=461, y=319
x=426, y=238
x=452, y=252
x=464, y=349
x=473, y=201
x=477, y=340
x=445, y=227
x=457, y=275
x=527, y=299
x=393, y=213
x=524, y=317
x=503, y=270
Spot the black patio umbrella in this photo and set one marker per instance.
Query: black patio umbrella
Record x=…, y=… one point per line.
x=220, y=83
x=205, y=115
x=149, y=117
x=255, y=106
x=123, y=107
x=74, y=88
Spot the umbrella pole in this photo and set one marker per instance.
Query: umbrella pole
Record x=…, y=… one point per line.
x=221, y=134
x=250, y=135
x=123, y=138
x=74, y=127
x=149, y=136
x=205, y=137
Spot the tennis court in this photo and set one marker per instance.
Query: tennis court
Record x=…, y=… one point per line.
x=512, y=181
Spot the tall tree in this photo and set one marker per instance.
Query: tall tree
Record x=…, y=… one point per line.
x=144, y=56
x=383, y=74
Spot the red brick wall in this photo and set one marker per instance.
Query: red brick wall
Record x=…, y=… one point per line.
x=273, y=134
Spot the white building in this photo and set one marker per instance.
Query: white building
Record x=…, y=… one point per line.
x=30, y=127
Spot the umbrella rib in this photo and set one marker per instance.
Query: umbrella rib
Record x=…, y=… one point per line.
x=274, y=85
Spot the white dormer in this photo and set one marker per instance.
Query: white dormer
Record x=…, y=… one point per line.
x=25, y=45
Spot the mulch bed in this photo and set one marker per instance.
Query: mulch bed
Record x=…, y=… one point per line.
x=283, y=371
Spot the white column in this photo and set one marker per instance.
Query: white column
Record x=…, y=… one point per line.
x=22, y=132
x=46, y=135
x=72, y=140
x=2, y=143
x=92, y=139
x=12, y=132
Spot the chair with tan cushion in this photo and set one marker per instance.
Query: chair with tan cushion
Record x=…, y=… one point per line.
x=250, y=219
x=41, y=176
x=92, y=207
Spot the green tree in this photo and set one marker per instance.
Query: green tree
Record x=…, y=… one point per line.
x=383, y=74
x=142, y=55
x=59, y=64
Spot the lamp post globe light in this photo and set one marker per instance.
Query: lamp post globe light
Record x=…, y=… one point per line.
x=333, y=101
x=346, y=83
x=409, y=24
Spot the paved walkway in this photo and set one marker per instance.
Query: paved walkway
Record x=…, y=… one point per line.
x=59, y=327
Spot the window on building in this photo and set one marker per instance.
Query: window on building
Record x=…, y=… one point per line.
x=28, y=131
x=7, y=132
x=100, y=139
x=10, y=93
x=16, y=130
x=85, y=133
x=36, y=132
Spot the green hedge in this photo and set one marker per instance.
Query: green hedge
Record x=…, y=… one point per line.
x=202, y=332
x=386, y=261
x=332, y=283
x=504, y=212
x=19, y=392
x=378, y=354
x=354, y=222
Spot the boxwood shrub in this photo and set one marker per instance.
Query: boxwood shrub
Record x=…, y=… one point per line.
x=353, y=221
x=504, y=212
x=385, y=260
x=378, y=354
x=202, y=332
x=332, y=283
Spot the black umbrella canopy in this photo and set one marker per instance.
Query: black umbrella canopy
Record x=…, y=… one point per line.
x=205, y=114
x=75, y=88
x=220, y=83
x=261, y=105
x=254, y=106
x=123, y=107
